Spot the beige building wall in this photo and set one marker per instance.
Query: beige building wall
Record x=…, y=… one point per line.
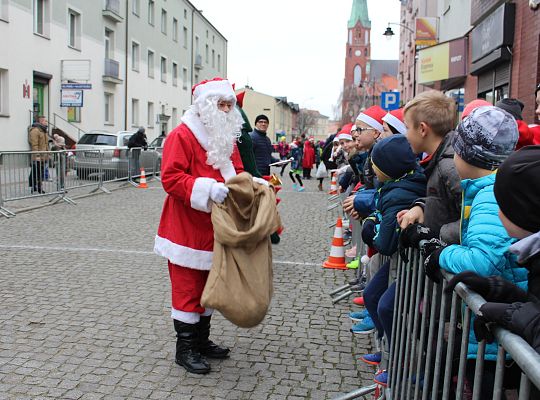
x=278, y=112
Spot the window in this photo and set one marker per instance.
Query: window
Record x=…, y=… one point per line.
x=213, y=39
x=151, y=9
x=185, y=37
x=185, y=13
x=74, y=21
x=109, y=109
x=151, y=63
x=163, y=21
x=175, y=29
x=163, y=69
x=367, y=38
x=135, y=56
x=197, y=52
x=174, y=117
x=206, y=54
x=213, y=59
x=357, y=75
x=184, y=78
x=207, y=33
x=41, y=17
x=134, y=112
x=219, y=62
x=4, y=15
x=4, y=92
x=174, y=74
x=74, y=114
x=150, y=115
x=109, y=44
x=136, y=7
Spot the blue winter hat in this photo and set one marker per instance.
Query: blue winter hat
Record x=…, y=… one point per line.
x=486, y=137
x=393, y=156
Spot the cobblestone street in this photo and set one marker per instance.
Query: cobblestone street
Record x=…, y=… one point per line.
x=85, y=309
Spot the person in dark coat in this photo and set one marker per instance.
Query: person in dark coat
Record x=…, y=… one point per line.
x=136, y=143
x=262, y=146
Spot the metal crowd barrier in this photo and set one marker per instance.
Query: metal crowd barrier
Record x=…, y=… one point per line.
x=430, y=335
x=27, y=174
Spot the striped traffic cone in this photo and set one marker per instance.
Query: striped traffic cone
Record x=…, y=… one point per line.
x=336, y=259
x=333, y=185
x=142, y=181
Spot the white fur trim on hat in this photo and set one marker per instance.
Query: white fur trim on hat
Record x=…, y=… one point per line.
x=182, y=255
x=221, y=88
x=370, y=121
x=344, y=136
x=396, y=123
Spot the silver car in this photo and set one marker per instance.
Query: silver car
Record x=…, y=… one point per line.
x=102, y=152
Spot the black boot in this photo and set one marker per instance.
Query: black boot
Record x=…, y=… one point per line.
x=206, y=346
x=187, y=348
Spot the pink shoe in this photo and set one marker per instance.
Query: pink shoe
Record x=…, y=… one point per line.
x=351, y=253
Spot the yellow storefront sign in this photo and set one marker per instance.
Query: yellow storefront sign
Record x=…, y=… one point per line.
x=434, y=63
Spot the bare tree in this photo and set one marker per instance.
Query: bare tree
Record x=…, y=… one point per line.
x=307, y=121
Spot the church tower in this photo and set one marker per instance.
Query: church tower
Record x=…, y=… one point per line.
x=357, y=61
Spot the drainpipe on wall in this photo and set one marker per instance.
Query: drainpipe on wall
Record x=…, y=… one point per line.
x=126, y=70
x=192, y=59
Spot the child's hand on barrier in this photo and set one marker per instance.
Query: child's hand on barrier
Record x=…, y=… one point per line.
x=348, y=204
x=431, y=251
x=412, y=216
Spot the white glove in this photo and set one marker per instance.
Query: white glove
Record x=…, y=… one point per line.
x=218, y=192
x=261, y=181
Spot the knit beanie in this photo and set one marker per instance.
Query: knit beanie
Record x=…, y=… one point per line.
x=393, y=156
x=373, y=116
x=512, y=106
x=261, y=117
x=517, y=188
x=486, y=137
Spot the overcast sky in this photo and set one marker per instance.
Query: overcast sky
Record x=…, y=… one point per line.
x=296, y=48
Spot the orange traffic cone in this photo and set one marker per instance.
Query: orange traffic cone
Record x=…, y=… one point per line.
x=142, y=182
x=336, y=259
x=333, y=185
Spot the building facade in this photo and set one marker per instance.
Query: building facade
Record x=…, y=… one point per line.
x=102, y=65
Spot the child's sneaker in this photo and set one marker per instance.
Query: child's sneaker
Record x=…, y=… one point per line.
x=372, y=359
x=357, y=316
x=351, y=253
x=295, y=186
x=381, y=378
x=359, y=301
x=301, y=189
x=364, y=327
x=353, y=264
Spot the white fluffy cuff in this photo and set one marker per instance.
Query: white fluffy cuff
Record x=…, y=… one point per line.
x=261, y=181
x=200, y=194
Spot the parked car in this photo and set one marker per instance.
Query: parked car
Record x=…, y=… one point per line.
x=112, y=150
x=158, y=142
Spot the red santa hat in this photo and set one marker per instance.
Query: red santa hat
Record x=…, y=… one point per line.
x=213, y=87
x=395, y=118
x=240, y=99
x=373, y=116
x=472, y=105
x=346, y=128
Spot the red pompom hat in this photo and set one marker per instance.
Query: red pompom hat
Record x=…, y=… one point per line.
x=373, y=116
x=395, y=118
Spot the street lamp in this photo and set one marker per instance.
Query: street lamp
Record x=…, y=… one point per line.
x=388, y=33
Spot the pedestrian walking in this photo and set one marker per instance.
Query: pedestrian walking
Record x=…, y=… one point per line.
x=309, y=157
x=262, y=146
x=38, y=140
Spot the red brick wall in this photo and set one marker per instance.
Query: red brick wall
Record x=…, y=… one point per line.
x=526, y=58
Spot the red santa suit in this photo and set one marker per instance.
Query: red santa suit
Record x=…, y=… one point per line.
x=185, y=234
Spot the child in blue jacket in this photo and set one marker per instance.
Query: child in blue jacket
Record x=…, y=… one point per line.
x=482, y=142
x=401, y=182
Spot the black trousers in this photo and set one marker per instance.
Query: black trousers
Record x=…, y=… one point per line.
x=36, y=175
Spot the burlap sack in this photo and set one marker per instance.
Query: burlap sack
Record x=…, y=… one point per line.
x=240, y=282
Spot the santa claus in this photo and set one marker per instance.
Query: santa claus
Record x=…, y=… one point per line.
x=198, y=157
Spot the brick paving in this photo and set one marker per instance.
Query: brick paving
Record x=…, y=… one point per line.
x=85, y=309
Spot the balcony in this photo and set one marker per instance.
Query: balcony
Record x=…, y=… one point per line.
x=112, y=71
x=198, y=62
x=112, y=10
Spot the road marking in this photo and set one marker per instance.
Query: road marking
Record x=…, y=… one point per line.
x=103, y=250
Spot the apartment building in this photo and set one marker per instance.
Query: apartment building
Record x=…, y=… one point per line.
x=107, y=64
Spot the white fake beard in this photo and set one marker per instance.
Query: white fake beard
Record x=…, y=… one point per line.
x=223, y=131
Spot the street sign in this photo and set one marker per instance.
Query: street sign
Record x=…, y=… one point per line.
x=87, y=86
x=390, y=100
x=71, y=98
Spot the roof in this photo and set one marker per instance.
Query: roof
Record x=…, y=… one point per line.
x=378, y=68
x=360, y=13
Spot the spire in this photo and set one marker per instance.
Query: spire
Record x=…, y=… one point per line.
x=359, y=12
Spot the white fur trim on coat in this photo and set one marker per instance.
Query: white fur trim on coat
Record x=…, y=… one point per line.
x=182, y=255
x=199, y=131
x=200, y=194
x=370, y=121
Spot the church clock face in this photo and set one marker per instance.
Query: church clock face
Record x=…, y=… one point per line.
x=357, y=53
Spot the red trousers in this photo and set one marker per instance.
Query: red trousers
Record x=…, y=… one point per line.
x=187, y=285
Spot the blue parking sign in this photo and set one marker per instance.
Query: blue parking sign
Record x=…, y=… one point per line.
x=390, y=100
